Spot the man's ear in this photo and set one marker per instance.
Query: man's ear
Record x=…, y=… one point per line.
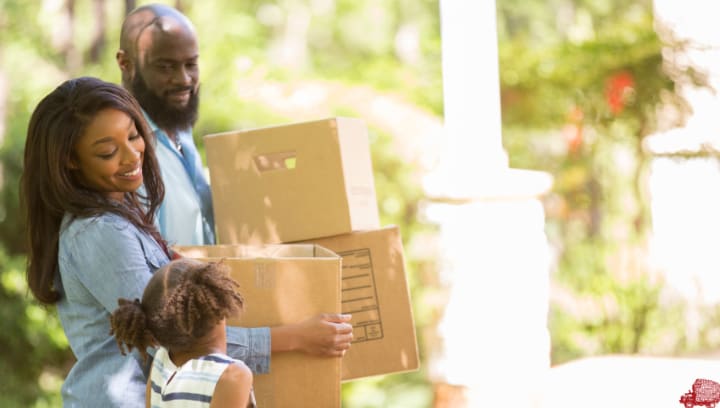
x=124, y=62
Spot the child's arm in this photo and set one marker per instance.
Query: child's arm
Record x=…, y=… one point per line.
x=233, y=388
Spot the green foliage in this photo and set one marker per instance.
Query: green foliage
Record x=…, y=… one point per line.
x=581, y=89
x=397, y=390
x=604, y=308
x=35, y=350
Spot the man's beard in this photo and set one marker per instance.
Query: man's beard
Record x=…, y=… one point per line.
x=161, y=112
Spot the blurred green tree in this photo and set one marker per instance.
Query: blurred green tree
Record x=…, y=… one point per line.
x=583, y=84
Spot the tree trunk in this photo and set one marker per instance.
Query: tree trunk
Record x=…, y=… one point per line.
x=97, y=46
x=129, y=6
x=3, y=110
x=73, y=60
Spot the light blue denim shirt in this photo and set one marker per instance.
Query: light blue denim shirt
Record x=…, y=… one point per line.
x=100, y=260
x=185, y=216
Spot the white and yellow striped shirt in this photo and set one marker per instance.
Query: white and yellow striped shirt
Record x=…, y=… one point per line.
x=188, y=386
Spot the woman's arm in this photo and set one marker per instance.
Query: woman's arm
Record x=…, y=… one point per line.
x=327, y=334
x=251, y=345
x=321, y=335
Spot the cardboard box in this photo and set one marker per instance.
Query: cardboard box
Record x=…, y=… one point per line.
x=375, y=291
x=293, y=182
x=285, y=284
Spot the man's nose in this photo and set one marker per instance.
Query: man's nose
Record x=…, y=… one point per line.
x=182, y=76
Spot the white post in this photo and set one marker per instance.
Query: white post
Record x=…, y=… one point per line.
x=495, y=256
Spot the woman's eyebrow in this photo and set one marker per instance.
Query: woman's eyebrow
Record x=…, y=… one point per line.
x=103, y=140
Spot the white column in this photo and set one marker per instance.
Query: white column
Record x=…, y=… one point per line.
x=471, y=93
x=495, y=256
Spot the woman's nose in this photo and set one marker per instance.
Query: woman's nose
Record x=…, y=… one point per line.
x=130, y=153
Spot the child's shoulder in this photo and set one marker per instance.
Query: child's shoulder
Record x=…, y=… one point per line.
x=237, y=371
x=234, y=387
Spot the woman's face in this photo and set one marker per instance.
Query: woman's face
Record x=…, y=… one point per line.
x=109, y=154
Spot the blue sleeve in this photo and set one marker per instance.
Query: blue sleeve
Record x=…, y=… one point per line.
x=252, y=346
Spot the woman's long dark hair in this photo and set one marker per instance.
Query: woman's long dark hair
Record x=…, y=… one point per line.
x=49, y=188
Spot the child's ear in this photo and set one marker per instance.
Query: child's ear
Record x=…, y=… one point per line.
x=72, y=165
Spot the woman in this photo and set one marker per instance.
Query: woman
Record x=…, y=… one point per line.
x=183, y=310
x=91, y=236
x=91, y=240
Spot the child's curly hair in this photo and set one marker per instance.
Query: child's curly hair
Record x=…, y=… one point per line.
x=182, y=302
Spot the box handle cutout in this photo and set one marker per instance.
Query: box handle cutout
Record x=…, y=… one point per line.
x=276, y=161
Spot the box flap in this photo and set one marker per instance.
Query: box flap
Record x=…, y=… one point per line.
x=255, y=251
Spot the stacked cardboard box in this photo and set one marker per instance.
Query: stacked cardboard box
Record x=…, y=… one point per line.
x=284, y=284
x=294, y=182
x=375, y=291
x=313, y=182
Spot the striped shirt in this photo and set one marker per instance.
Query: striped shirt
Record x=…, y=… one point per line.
x=188, y=386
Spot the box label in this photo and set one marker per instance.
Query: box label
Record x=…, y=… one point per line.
x=359, y=295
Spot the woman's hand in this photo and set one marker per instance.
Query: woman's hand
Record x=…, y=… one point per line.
x=326, y=334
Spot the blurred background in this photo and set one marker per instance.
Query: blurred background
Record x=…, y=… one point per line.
x=552, y=166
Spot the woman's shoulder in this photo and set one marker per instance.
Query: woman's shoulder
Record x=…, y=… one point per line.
x=88, y=232
x=72, y=225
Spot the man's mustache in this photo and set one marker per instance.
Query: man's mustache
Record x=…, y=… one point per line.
x=183, y=89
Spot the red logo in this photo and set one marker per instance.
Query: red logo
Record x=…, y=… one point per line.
x=704, y=393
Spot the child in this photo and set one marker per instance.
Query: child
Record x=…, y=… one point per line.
x=183, y=311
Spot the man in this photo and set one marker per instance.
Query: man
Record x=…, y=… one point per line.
x=158, y=59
